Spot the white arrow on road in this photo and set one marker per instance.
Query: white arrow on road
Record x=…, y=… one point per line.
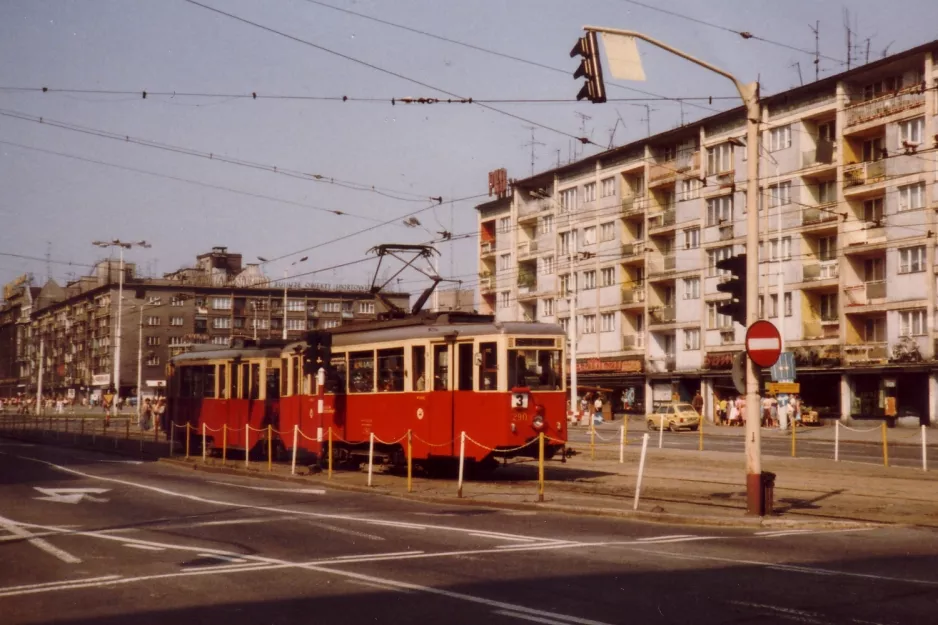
x=71, y=495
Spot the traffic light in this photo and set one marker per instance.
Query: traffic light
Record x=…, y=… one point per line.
x=318, y=353
x=594, y=90
x=735, y=307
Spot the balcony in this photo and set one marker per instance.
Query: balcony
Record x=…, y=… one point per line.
x=633, y=296
x=487, y=284
x=633, y=206
x=820, y=330
x=661, y=264
x=726, y=232
x=527, y=280
x=865, y=236
x=859, y=174
x=633, y=342
x=527, y=250
x=530, y=212
x=667, y=172
x=884, y=106
x=867, y=352
x=824, y=270
x=661, y=314
x=487, y=248
x=661, y=219
x=633, y=251
x=822, y=213
x=821, y=156
x=662, y=364
x=865, y=294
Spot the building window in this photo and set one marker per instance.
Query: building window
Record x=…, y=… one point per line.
x=504, y=299
x=221, y=323
x=608, y=187
x=153, y=321
x=176, y=321
x=546, y=224
x=221, y=303
x=607, y=231
x=607, y=276
x=779, y=194
x=547, y=308
x=153, y=300
x=827, y=192
x=565, y=324
x=788, y=304
x=296, y=324
x=885, y=85
x=912, y=322
x=153, y=341
x=504, y=262
x=547, y=265
x=690, y=189
x=911, y=132
x=589, y=192
x=564, y=246
x=718, y=254
x=366, y=308
x=589, y=235
x=719, y=210
x=296, y=305
x=779, y=138
x=177, y=300
x=720, y=159
x=153, y=361
x=691, y=238
x=912, y=259
x=589, y=324
x=567, y=200
x=607, y=322
x=220, y=340
x=715, y=320
x=873, y=210
x=332, y=307
x=691, y=340
x=564, y=284
x=911, y=196
x=504, y=225
x=691, y=288
x=774, y=249
x=330, y=323
x=589, y=280
x=773, y=305
x=260, y=324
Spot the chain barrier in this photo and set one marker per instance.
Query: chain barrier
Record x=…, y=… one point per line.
x=394, y=442
x=309, y=438
x=432, y=444
x=487, y=448
x=847, y=427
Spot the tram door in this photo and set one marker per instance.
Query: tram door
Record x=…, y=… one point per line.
x=463, y=397
x=272, y=399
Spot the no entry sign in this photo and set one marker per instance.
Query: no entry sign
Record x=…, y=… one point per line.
x=763, y=343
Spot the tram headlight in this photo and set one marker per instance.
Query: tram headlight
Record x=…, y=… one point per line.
x=538, y=422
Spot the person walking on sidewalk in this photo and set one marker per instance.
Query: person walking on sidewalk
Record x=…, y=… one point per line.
x=598, y=410
x=697, y=403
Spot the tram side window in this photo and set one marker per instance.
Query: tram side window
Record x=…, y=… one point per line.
x=440, y=367
x=418, y=356
x=488, y=370
x=185, y=382
x=465, y=366
x=255, y=380
x=209, y=388
x=391, y=370
x=284, y=378
x=537, y=369
x=222, y=382
x=297, y=374
x=245, y=381
x=336, y=375
x=361, y=372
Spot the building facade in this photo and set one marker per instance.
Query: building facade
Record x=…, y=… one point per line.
x=621, y=247
x=74, y=327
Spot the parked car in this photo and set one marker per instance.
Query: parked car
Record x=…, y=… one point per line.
x=674, y=416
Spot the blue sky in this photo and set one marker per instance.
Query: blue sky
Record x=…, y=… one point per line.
x=52, y=202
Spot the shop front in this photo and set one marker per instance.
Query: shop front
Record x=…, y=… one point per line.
x=624, y=377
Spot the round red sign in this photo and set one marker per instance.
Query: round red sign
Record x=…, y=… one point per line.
x=763, y=343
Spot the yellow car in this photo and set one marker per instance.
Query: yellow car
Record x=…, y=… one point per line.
x=674, y=416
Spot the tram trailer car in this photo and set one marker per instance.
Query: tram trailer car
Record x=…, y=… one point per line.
x=434, y=376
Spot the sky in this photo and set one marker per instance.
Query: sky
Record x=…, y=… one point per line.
x=194, y=172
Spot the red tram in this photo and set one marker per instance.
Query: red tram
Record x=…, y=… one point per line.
x=434, y=376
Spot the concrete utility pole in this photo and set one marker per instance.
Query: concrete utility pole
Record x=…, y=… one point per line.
x=42, y=356
x=750, y=96
x=120, y=245
x=140, y=358
x=286, y=272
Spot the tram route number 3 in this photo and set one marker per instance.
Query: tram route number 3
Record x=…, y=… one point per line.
x=519, y=400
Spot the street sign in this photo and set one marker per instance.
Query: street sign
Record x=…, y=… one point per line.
x=739, y=372
x=775, y=388
x=763, y=343
x=784, y=369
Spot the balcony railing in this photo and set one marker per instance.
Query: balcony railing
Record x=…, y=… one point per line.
x=864, y=173
x=661, y=314
x=866, y=236
x=527, y=280
x=864, y=294
x=726, y=232
x=633, y=295
x=635, y=248
x=867, y=352
x=527, y=249
x=662, y=218
x=487, y=247
x=666, y=171
x=662, y=264
x=818, y=214
x=633, y=341
x=820, y=271
x=633, y=205
x=889, y=104
x=487, y=284
x=823, y=154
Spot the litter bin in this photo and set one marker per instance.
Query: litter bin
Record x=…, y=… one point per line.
x=768, y=492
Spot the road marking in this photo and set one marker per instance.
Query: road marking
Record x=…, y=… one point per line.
x=664, y=537
x=394, y=553
x=223, y=558
x=71, y=495
x=225, y=568
x=776, y=532
x=16, y=530
x=60, y=583
x=498, y=537
x=802, y=616
x=381, y=586
x=298, y=491
x=122, y=461
x=533, y=619
x=144, y=547
x=342, y=530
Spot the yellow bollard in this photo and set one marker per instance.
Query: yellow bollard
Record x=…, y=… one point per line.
x=330, y=453
x=187, y=440
x=224, y=444
x=885, y=446
x=592, y=443
x=247, y=446
x=625, y=428
x=794, y=437
x=270, y=448
x=540, y=467
x=700, y=430
x=410, y=464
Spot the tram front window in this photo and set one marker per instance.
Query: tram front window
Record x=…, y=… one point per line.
x=391, y=370
x=537, y=369
x=361, y=372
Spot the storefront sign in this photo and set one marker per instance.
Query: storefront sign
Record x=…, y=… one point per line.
x=598, y=365
x=156, y=383
x=718, y=361
x=14, y=288
x=101, y=379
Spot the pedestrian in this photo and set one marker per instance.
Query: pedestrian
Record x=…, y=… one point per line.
x=733, y=407
x=697, y=403
x=598, y=410
x=162, y=416
x=723, y=408
x=108, y=405
x=146, y=415
x=766, y=411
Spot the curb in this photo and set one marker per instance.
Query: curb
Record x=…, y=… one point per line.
x=633, y=515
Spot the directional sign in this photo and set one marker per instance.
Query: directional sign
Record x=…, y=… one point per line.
x=71, y=495
x=775, y=388
x=763, y=343
x=784, y=369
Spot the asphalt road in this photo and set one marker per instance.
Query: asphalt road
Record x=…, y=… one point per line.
x=92, y=538
x=805, y=445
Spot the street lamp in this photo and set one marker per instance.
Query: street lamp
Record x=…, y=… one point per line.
x=120, y=245
x=286, y=272
x=141, y=307
x=630, y=62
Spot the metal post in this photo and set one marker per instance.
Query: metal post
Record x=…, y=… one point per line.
x=621, y=444
x=924, y=448
x=117, y=336
x=188, y=438
x=462, y=461
x=296, y=433
x=660, y=431
x=42, y=357
x=410, y=462
x=270, y=447
x=204, y=448
x=247, y=446
x=885, y=446
x=224, y=444
x=284, y=304
x=641, y=470
x=700, y=425
x=794, y=438
x=172, y=438
x=371, y=455
x=140, y=368
x=836, y=441
x=330, y=452
x=540, y=467
x=592, y=442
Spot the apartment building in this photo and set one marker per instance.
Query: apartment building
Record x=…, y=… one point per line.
x=622, y=246
x=215, y=300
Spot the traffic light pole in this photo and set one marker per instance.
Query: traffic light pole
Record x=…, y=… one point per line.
x=750, y=96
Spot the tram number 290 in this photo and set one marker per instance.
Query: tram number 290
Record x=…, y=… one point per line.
x=519, y=400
